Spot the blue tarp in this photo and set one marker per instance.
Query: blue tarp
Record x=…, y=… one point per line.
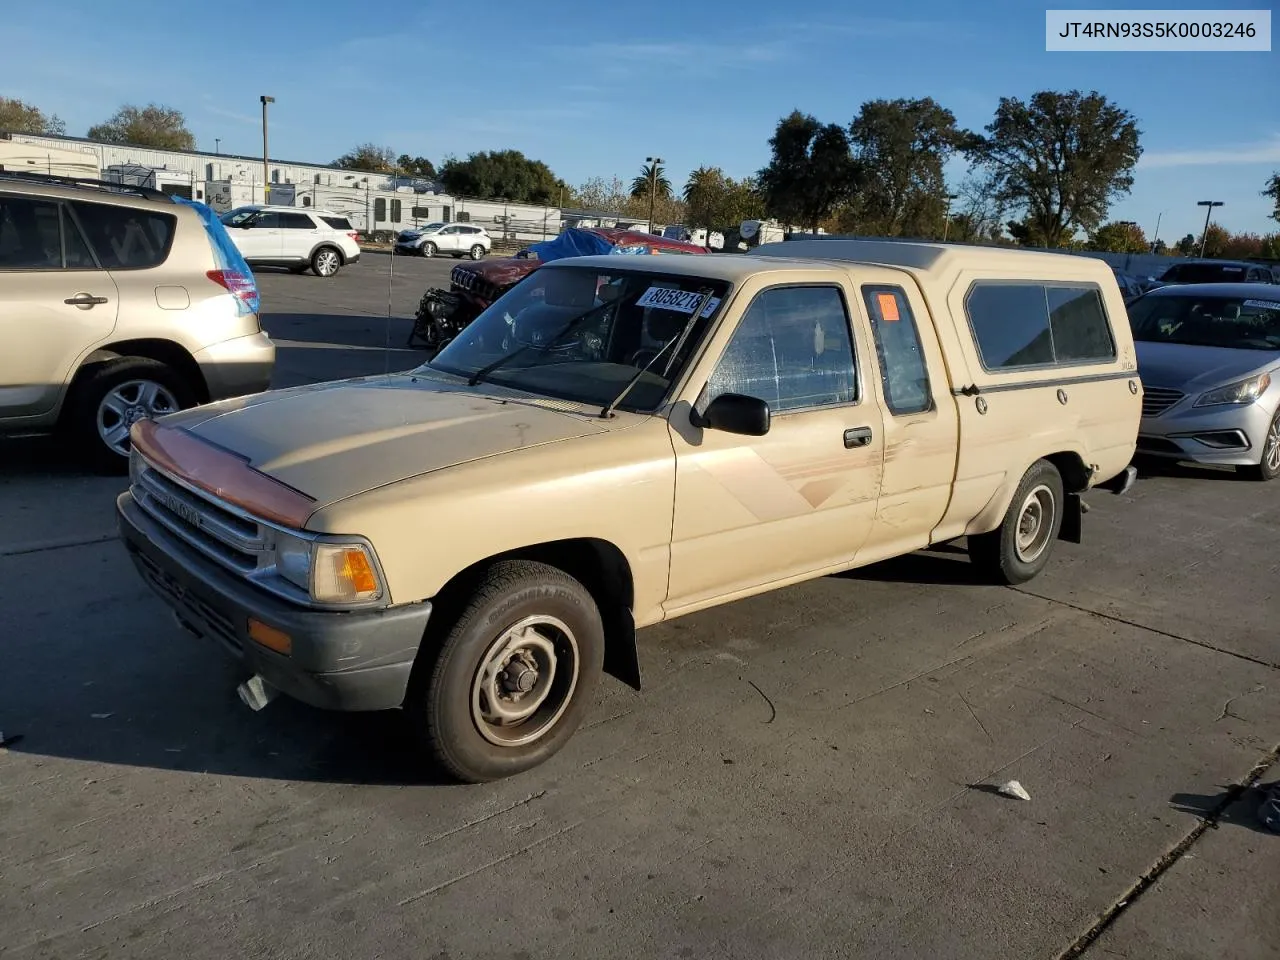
x=574, y=242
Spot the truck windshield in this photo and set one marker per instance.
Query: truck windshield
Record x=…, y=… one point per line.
x=582, y=334
x=1234, y=322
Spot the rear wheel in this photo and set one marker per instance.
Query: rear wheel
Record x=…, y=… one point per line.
x=326, y=262
x=477, y=252
x=428, y=249
x=115, y=396
x=514, y=676
x=1268, y=465
x=1019, y=548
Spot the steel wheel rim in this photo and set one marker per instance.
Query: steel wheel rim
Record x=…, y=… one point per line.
x=525, y=681
x=326, y=262
x=126, y=404
x=477, y=252
x=1035, y=523
x=1271, y=451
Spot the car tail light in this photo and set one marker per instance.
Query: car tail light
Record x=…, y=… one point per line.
x=239, y=285
x=354, y=235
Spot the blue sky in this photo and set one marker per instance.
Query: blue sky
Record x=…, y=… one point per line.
x=594, y=88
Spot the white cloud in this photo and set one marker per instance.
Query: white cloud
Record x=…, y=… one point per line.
x=1262, y=151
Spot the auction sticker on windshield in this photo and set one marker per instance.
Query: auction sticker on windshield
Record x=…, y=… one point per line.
x=1264, y=304
x=681, y=301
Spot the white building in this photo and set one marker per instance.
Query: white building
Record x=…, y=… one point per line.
x=372, y=201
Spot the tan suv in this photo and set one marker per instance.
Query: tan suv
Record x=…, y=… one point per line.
x=619, y=441
x=118, y=303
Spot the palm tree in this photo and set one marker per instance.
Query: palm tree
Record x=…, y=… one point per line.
x=651, y=175
x=702, y=180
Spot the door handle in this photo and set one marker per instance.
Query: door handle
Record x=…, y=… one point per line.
x=857, y=437
x=84, y=300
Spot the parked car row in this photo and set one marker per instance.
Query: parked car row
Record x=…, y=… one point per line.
x=297, y=238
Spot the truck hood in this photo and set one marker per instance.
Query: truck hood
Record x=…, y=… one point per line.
x=1188, y=367
x=335, y=440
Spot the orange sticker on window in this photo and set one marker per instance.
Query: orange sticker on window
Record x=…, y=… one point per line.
x=888, y=306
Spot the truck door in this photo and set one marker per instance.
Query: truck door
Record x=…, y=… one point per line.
x=753, y=511
x=921, y=424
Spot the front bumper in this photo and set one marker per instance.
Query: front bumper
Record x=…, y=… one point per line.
x=408, y=248
x=340, y=660
x=234, y=368
x=1229, y=435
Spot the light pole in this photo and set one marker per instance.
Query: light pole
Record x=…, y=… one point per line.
x=265, y=177
x=946, y=224
x=654, y=163
x=1208, y=205
x=1155, y=237
x=217, y=146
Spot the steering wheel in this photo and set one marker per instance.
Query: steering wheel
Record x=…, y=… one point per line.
x=642, y=357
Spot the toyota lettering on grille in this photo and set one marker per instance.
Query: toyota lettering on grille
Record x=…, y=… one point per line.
x=184, y=511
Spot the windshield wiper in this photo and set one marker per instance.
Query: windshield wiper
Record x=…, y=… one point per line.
x=678, y=340
x=502, y=361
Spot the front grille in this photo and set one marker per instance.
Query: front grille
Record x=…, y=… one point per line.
x=185, y=602
x=232, y=539
x=1157, y=445
x=1156, y=400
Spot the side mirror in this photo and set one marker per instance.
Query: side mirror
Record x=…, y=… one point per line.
x=734, y=413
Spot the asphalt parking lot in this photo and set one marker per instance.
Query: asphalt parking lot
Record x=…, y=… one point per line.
x=807, y=774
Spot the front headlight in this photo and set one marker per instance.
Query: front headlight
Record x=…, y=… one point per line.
x=1242, y=391
x=328, y=571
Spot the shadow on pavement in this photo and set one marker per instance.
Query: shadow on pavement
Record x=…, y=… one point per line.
x=944, y=565
x=1151, y=467
x=1240, y=807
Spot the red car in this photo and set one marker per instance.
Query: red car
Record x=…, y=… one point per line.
x=473, y=286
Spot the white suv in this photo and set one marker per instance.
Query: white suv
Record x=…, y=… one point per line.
x=295, y=237
x=455, y=239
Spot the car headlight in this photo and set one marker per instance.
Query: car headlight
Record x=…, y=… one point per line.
x=1242, y=391
x=328, y=571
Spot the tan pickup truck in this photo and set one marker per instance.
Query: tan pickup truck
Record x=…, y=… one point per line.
x=618, y=441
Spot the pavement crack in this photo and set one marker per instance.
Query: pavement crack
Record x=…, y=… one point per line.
x=1170, y=857
x=527, y=848
x=773, y=711
x=968, y=706
x=1226, y=707
x=1149, y=629
x=487, y=817
x=63, y=543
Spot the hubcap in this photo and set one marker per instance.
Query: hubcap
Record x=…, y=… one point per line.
x=1271, y=450
x=1035, y=524
x=525, y=681
x=477, y=253
x=128, y=403
x=326, y=262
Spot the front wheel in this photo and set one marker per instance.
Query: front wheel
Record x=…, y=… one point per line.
x=428, y=249
x=513, y=677
x=477, y=252
x=1019, y=548
x=1268, y=465
x=326, y=262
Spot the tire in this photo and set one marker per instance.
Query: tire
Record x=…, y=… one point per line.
x=428, y=249
x=326, y=262
x=1020, y=547
x=522, y=607
x=1268, y=465
x=477, y=252
x=140, y=388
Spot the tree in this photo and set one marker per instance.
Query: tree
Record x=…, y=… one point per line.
x=1120, y=237
x=811, y=173
x=640, y=185
x=368, y=157
x=902, y=146
x=1187, y=245
x=1161, y=249
x=415, y=167
x=1273, y=191
x=501, y=174
x=19, y=117
x=600, y=195
x=981, y=212
x=713, y=200
x=1216, y=239
x=163, y=128
x=1061, y=159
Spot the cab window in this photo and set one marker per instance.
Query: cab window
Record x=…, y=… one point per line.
x=903, y=371
x=791, y=349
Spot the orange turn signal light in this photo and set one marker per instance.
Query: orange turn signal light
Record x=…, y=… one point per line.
x=270, y=637
x=357, y=572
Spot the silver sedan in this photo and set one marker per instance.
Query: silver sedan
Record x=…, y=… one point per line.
x=1209, y=359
